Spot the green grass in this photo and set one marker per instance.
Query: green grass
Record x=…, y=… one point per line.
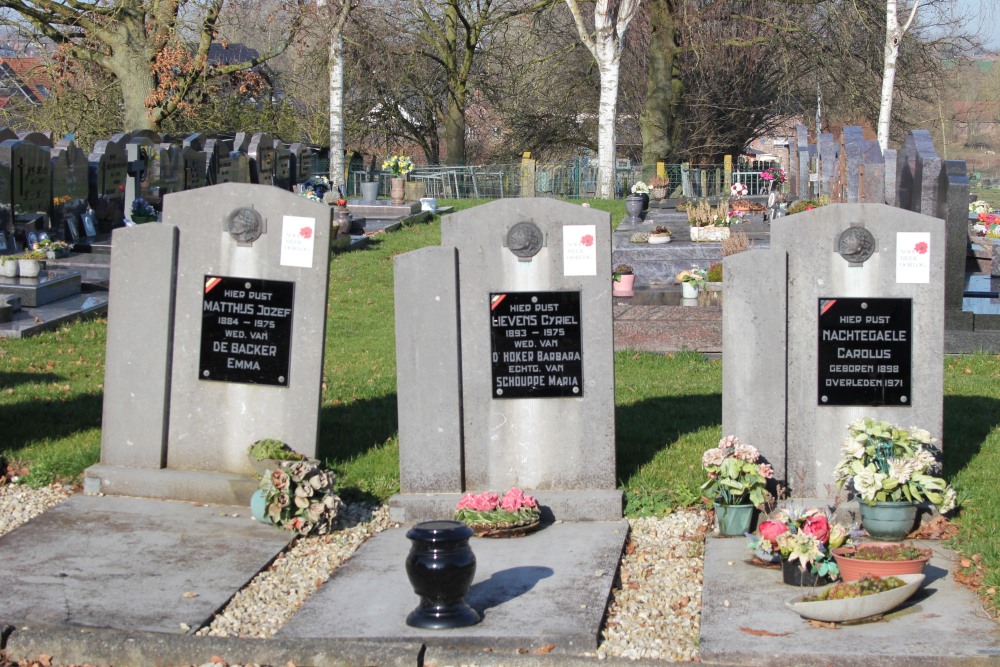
x=668, y=407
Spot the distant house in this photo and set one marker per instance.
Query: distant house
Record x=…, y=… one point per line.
x=229, y=53
x=23, y=79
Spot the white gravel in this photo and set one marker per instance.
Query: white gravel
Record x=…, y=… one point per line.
x=655, y=612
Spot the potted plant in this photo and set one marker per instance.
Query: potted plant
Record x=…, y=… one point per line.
x=851, y=601
x=713, y=277
x=52, y=249
x=802, y=540
x=880, y=559
x=142, y=211
x=492, y=515
x=660, y=235
x=268, y=453
x=623, y=281
x=691, y=281
x=891, y=469
x=641, y=189
x=31, y=263
x=737, y=483
x=299, y=496
x=399, y=166
x=9, y=266
x=707, y=221
x=316, y=188
x=774, y=177
x=738, y=190
x=658, y=187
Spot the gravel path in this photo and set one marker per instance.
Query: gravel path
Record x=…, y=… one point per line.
x=654, y=614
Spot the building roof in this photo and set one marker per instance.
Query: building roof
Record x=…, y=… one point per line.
x=23, y=78
x=230, y=52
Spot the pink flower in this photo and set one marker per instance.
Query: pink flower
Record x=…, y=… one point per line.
x=766, y=470
x=516, y=499
x=921, y=248
x=769, y=530
x=587, y=240
x=306, y=232
x=818, y=527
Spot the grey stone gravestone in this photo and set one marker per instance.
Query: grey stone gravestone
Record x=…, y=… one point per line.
x=953, y=208
x=31, y=184
x=194, y=168
x=166, y=172
x=70, y=189
x=140, y=152
x=229, y=286
x=793, y=168
x=240, y=169
x=828, y=157
x=282, y=166
x=43, y=139
x=851, y=329
x=802, y=161
x=7, y=133
x=872, y=174
x=527, y=309
x=260, y=151
x=6, y=205
x=302, y=162
x=851, y=140
x=108, y=174
x=918, y=169
x=889, y=174
x=218, y=161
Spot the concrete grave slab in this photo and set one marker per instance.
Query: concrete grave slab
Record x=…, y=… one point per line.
x=127, y=563
x=550, y=587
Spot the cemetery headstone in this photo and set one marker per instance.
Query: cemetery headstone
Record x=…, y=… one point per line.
x=140, y=153
x=282, y=166
x=260, y=152
x=851, y=328
x=219, y=161
x=108, y=174
x=302, y=163
x=167, y=172
x=232, y=283
x=31, y=184
x=527, y=309
x=70, y=189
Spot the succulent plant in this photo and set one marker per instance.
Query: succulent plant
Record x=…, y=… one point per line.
x=639, y=237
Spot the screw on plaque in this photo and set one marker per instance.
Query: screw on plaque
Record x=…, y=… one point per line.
x=524, y=240
x=245, y=225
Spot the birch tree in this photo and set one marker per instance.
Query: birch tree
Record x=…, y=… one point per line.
x=611, y=19
x=893, y=36
x=338, y=19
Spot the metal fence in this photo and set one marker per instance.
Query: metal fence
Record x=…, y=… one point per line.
x=573, y=179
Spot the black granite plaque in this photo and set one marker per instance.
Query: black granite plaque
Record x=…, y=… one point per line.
x=246, y=330
x=536, y=346
x=865, y=351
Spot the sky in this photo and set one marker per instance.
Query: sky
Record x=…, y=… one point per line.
x=985, y=15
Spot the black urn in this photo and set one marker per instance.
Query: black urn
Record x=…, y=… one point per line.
x=441, y=567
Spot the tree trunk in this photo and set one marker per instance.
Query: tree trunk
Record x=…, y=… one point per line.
x=454, y=131
x=658, y=121
x=607, y=115
x=337, y=174
x=137, y=83
x=893, y=36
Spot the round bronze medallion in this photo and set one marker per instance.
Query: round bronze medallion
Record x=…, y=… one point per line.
x=856, y=245
x=525, y=239
x=245, y=225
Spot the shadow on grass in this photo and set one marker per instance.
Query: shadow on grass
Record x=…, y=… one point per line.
x=11, y=380
x=31, y=421
x=642, y=429
x=968, y=421
x=348, y=431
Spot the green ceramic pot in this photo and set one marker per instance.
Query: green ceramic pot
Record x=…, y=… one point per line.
x=734, y=520
x=890, y=521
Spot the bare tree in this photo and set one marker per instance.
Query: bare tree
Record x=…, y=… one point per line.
x=611, y=20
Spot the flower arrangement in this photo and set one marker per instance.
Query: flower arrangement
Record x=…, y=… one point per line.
x=773, y=175
x=980, y=206
x=738, y=190
x=807, y=536
x=883, y=462
x=489, y=510
x=697, y=278
x=142, y=208
x=661, y=231
x=855, y=589
x=621, y=270
x=299, y=496
x=736, y=474
x=640, y=188
x=315, y=188
x=735, y=217
x=48, y=245
x=886, y=552
x=398, y=165
x=705, y=214
x=659, y=182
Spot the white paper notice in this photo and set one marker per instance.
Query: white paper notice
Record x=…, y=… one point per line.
x=580, y=250
x=913, y=257
x=297, y=238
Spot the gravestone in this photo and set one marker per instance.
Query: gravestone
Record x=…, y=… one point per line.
x=140, y=153
x=802, y=160
x=219, y=295
x=30, y=184
x=282, y=166
x=520, y=292
x=260, y=151
x=167, y=172
x=239, y=171
x=70, y=190
x=872, y=174
x=918, y=168
x=851, y=328
x=108, y=174
x=302, y=163
x=194, y=168
x=827, y=163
